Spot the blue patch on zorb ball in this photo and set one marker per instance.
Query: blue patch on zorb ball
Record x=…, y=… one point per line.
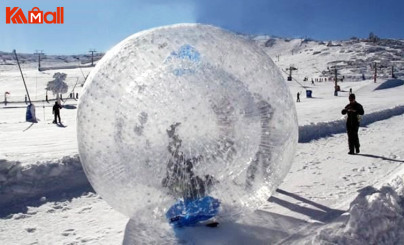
x=187, y=52
x=191, y=212
x=189, y=58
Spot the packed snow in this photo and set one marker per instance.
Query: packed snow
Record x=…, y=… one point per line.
x=328, y=196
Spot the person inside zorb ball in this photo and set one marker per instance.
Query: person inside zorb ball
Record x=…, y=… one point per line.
x=185, y=123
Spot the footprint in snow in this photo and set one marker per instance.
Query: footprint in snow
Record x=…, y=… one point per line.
x=30, y=229
x=68, y=232
x=84, y=210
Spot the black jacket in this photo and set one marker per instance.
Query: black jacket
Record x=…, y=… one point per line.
x=56, y=109
x=353, y=110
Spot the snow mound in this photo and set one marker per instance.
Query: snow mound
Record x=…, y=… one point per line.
x=375, y=216
x=182, y=112
x=24, y=182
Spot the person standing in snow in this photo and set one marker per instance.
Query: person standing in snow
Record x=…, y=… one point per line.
x=298, y=97
x=354, y=111
x=56, y=112
x=5, y=98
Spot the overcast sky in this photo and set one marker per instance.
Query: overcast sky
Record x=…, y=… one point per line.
x=100, y=24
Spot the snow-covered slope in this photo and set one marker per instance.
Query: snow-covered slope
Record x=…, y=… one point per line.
x=352, y=58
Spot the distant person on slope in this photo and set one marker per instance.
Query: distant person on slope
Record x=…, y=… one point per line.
x=56, y=112
x=354, y=111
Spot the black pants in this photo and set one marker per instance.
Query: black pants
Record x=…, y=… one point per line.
x=58, y=116
x=353, y=139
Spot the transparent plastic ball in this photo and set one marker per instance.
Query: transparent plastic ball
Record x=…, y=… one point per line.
x=186, y=111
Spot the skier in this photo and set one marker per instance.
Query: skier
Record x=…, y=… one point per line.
x=354, y=111
x=56, y=112
x=298, y=97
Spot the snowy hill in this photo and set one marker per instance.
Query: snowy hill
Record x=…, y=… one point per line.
x=352, y=58
x=328, y=197
x=313, y=59
x=31, y=60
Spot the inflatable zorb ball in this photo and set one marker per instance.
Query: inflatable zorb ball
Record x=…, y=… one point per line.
x=183, y=112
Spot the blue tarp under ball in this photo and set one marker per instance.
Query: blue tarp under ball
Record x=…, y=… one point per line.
x=188, y=213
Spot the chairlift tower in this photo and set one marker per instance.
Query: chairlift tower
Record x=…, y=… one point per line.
x=375, y=67
x=392, y=72
x=375, y=74
x=290, y=69
x=92, y=51
x=336, y=87
x=39, y=53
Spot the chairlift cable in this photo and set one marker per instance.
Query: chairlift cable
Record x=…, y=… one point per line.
x=295, y=80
